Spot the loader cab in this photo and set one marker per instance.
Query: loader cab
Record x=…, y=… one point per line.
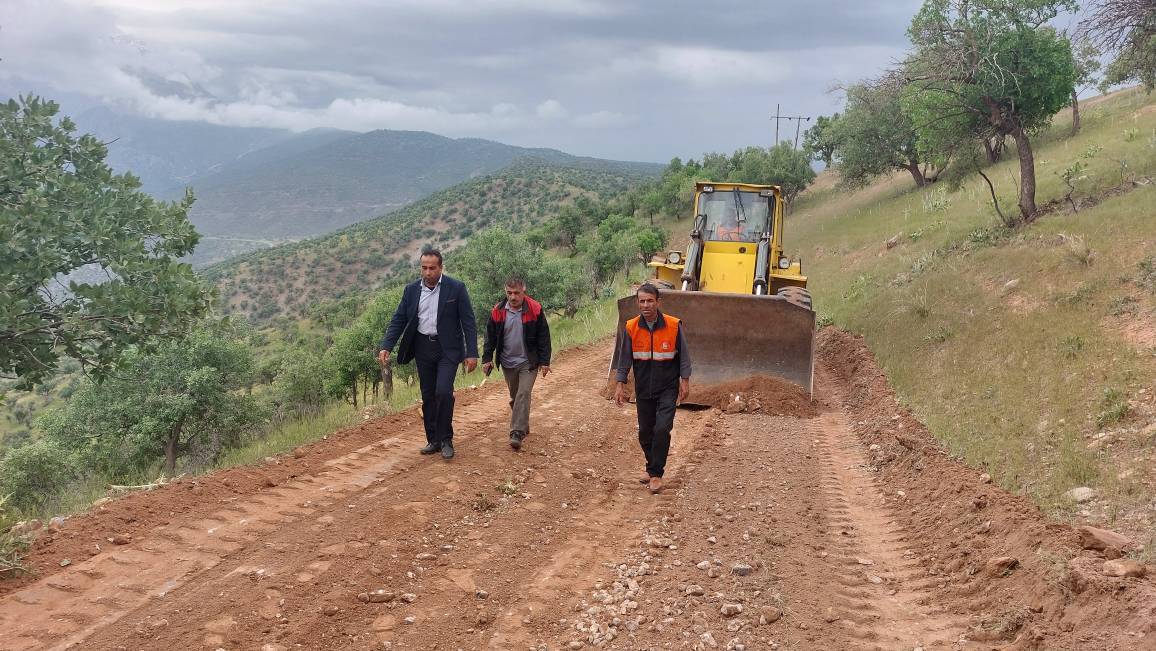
x=737, y=228
x=735, y=215
x=736, y=244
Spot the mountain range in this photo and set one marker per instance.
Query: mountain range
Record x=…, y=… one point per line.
x=258, y=187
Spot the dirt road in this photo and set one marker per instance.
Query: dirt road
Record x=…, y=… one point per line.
x=848, y=530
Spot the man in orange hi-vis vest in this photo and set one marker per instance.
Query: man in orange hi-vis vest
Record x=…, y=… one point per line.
x=653, y=344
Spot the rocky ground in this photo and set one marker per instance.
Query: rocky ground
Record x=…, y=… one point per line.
x=841, y=527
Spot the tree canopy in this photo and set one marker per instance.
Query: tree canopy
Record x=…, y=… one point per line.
x=1128, y=29
x=822, y=140
x=181, y=398
x=90, y=262
x=876, y=136
x=988, y=68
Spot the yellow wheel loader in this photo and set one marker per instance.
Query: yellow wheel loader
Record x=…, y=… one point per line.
x=743, y=302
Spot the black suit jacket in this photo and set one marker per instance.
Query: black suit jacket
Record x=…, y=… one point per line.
x=457, y=330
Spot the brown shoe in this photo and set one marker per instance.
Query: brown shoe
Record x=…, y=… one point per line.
x=644, y=479
x=655, y=485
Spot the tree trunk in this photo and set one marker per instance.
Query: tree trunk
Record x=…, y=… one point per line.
x=917, y=174
x=354, y=392
x=387, y=379
x=993, y=147
x=1027, y=175
x=215, y=445
x=1075, y=113
x=172, y=446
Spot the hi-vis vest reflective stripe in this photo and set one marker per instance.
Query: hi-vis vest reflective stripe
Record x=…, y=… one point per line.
x=661, y=346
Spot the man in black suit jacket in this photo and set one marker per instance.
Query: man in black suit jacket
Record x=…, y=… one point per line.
x=435, y=324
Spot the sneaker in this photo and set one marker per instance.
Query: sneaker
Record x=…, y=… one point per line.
x=430, y=448
x=448, y=450
x=516, y=440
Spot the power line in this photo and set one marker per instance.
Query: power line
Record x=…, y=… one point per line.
x=777, y=117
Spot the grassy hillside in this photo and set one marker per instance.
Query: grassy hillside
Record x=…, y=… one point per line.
x=1029, y=352
x=287, y=279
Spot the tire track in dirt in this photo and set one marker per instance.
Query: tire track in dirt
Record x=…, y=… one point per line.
x=64, y=610
x=886, y=592
x=309, y=541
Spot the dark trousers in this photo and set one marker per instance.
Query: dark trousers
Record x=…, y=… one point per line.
x=655, y=420
x=435, y=374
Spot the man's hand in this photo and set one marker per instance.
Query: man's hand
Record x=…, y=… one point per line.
x=487, y=367
x=383, y=357
x=471, y=364
x=545, y=370
x=620, y=393
x=683, y=388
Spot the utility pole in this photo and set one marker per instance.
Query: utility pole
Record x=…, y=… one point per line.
x=798, y=124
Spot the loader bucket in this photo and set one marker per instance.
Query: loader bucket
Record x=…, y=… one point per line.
x=733, y=336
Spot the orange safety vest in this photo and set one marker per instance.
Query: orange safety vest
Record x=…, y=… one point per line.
x=659, y=346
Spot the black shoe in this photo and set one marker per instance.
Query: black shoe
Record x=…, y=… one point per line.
x=448, y=450
x=516, y=440
x=430, y=448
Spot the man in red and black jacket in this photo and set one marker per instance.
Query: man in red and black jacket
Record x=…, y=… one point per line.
x=518, y=339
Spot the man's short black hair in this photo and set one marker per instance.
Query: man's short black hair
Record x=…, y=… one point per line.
x=515, y=282
x=647, y=288
x=434, y=252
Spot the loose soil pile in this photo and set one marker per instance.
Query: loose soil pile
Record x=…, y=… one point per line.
x=760, y=394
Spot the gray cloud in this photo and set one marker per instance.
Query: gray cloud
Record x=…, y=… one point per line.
x=635, y=80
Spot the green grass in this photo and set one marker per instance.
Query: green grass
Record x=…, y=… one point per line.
x=997, y=338
x=294, y=433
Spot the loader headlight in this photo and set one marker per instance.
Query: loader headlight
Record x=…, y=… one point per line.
x=708, y=188
x=784, y=263
x=674, y=257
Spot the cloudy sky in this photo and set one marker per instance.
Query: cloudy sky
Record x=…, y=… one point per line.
x=615, y=78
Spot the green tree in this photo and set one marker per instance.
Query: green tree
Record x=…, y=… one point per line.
x=492, y=256
x=650, y=240
x=989, y=68
x=781, y=165
x=876, y=136
x=90, y=262
x=183, y=396
x=33, y=474
x=349, y=362
x=821, y=141
x=1086, y=56
x=610, y=249
x=1126, y=28
x=299, y=386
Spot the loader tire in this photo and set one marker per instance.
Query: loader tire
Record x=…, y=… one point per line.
x=796, y=296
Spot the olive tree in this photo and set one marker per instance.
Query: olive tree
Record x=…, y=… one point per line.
x=990, y=68
x=877, y=136
x=90, y=263
x=184, y=396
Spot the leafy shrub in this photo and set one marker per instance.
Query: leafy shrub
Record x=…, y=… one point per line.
x=33, y=474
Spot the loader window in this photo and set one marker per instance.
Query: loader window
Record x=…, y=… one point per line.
x=734, y=216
